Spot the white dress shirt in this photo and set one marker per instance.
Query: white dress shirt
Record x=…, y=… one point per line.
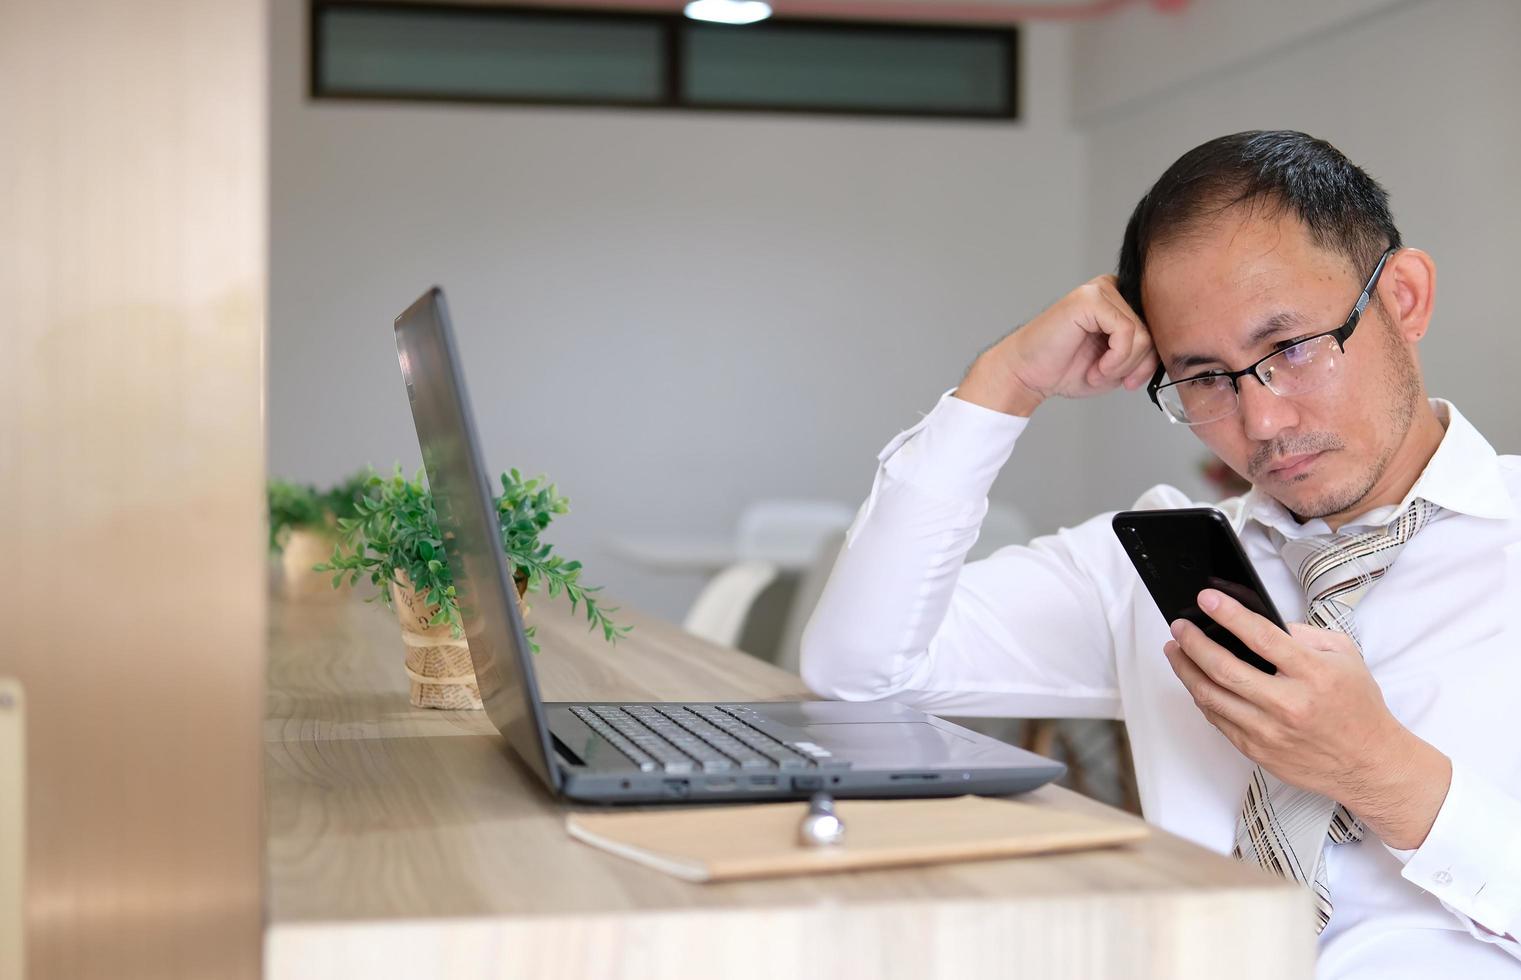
x=1064, y=628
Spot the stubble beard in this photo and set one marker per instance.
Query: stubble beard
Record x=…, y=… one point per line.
x=1404, y=380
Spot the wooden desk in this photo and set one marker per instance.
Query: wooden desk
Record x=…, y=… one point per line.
x=410, y=843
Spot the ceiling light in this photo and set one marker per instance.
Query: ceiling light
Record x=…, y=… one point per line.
x=728, y=11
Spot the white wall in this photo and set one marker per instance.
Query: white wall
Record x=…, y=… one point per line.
x=674, y=314
x=1422, y=94
x=1139, y=56
x=671, y=314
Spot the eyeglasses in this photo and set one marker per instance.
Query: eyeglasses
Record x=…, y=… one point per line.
x=1298, y=369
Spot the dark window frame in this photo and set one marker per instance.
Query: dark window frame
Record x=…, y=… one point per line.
x=673, y=54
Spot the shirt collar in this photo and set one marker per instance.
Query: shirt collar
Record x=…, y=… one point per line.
x=1463, y=476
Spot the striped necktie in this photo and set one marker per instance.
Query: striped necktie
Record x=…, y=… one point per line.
x=1284, y=828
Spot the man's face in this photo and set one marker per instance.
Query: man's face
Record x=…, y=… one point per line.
x=1246, y=284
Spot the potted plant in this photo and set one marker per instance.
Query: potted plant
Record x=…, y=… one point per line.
x=303, y=527
x=395, y=538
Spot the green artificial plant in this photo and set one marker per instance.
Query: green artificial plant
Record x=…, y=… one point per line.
x=302, y=505
x=395, y=529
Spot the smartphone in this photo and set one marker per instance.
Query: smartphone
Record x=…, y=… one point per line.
x=1180, y=553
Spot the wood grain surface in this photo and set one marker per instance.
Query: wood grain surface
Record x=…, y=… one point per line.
x=407, y=842
x=132, y=264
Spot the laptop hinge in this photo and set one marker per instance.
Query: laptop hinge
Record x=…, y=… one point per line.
x=565, y=752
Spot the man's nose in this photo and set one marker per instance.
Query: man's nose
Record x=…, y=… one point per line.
x=1264, y=414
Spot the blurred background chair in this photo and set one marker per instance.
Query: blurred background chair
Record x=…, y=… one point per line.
x=723, y=606
x=789, y=532
x=754, y=571
x=810, y=586
x=786, y=532
x=1003, y=526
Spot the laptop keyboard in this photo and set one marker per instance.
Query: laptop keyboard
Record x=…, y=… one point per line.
x=706, y=738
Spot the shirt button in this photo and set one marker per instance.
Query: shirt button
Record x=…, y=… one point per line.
x=1442, y=878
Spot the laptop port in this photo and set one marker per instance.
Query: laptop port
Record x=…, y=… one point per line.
x=808, y=782
x=915, y=777
x=677, y=788
x=720, y=783
x=762, y=780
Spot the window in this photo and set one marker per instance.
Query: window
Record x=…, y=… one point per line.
x=485, y=54
x=849, y=69
x=459, y=53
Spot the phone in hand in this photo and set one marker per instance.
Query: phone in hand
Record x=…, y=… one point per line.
x=1180, y=553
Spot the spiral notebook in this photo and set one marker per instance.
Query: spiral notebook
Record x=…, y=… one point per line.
x=724, y=843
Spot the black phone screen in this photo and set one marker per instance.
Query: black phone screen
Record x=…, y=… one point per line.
x=1179, y=553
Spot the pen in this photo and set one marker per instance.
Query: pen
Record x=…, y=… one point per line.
x=821, y=827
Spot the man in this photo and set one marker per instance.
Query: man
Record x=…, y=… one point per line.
x=1380, y=766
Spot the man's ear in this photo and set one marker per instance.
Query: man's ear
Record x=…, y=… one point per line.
x=1407, y=290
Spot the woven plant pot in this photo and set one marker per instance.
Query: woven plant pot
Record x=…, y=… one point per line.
x=301, y=549
x=438, y=665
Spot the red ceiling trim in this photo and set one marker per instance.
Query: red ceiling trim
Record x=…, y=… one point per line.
x=957, y=12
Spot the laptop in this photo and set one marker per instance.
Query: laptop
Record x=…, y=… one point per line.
x=605, y=752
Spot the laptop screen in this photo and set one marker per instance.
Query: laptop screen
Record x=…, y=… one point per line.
x=462, y=495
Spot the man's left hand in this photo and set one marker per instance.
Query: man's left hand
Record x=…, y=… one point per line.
x=1320, y=723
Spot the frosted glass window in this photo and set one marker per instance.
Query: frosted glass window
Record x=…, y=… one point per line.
x=460, y=52
x=486, y=54
x=855, y=69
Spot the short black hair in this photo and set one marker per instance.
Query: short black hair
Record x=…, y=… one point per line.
x=1344, y=209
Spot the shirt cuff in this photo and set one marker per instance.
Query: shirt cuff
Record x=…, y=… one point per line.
x=1471, y=859
x=956, y=451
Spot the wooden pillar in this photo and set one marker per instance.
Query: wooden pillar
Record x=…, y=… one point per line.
x=132, y=295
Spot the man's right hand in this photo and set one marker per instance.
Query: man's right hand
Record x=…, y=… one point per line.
x=1088, y=342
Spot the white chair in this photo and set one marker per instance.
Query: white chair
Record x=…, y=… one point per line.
x=721, y=608
x=810, y=588
x=789, y=532
x=1002, y=526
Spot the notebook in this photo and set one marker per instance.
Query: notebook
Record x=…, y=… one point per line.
x=760, y=841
